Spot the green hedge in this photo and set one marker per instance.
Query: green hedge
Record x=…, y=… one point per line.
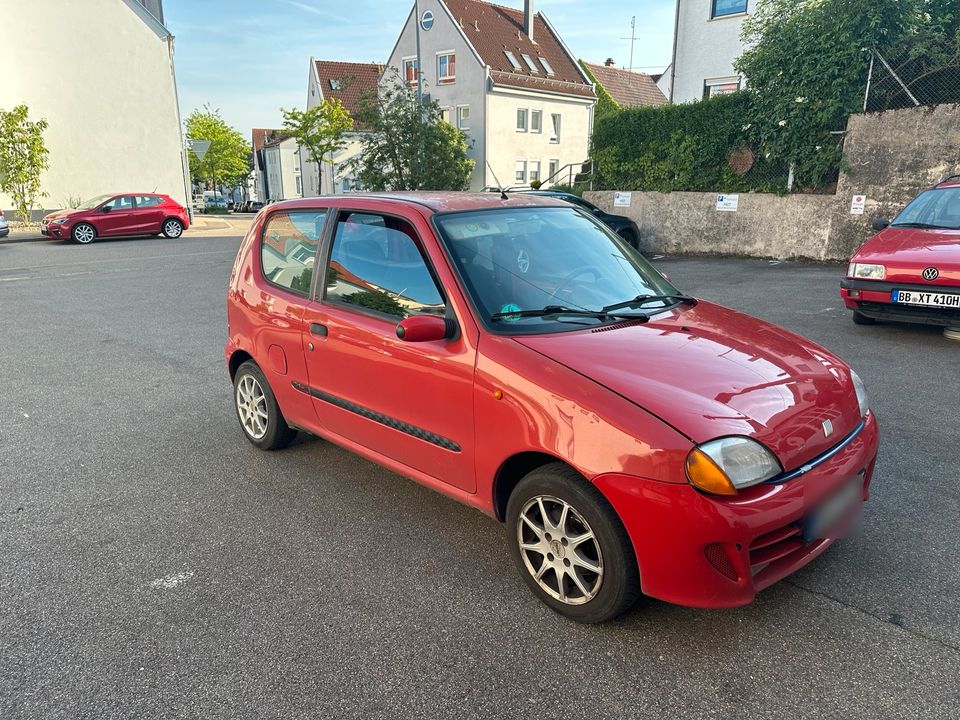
x=681, y=147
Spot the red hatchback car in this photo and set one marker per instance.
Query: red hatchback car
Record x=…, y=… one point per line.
x=910, y=270
x=518, y=356
x=118, y=215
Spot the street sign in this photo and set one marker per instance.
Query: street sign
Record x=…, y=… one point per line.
x=622, y=199
x=858, y=205
x=199, y=147
x=728, y=203
x=426, y=20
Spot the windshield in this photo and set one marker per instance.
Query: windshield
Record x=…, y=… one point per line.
x=529, y=259
x=937, y=208
x=93, y=202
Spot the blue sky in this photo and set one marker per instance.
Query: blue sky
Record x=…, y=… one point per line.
x=251, y=57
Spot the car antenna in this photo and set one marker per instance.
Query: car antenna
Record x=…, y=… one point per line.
x=503, y=193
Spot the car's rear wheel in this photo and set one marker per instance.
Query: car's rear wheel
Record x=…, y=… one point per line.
x=570, y=546
x=258, y=411
x=172, y=228
x=83, y=233
x=630, y=236
x=860, y=319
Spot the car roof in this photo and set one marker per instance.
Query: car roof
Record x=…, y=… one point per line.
x=435, y=201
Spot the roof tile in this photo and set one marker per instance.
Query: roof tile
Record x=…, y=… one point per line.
x=628, y=88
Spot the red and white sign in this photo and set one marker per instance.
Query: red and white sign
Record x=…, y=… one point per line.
x=858, y=204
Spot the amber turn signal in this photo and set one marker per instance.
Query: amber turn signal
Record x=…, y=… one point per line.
x=703, y=473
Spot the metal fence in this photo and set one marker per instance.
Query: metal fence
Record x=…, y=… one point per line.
x=928, y=78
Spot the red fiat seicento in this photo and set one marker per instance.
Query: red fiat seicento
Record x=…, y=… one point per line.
x=516, y=355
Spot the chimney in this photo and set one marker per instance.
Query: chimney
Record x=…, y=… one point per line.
x=608, y=62
x=528, y=18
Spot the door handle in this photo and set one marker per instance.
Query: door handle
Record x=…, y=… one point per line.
x=318, y=329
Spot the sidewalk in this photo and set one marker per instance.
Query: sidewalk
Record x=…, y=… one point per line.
x=217, y=226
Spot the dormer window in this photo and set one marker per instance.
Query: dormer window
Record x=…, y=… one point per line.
x=513, y=59
x=547, y=66
x=335, y=84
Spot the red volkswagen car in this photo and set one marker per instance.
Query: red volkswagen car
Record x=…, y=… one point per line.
x=118, y=215
x=910, y=270
x=518, y=356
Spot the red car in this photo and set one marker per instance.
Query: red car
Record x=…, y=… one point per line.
x=118, y=215
x=910, y=270
x=516, y=355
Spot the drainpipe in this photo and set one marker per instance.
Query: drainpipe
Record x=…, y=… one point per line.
x=676, y=38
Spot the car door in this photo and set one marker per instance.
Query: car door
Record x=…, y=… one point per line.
x=117, y=216
x=409, y=401
x=148, y=214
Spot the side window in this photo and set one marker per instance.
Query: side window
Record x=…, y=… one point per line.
x=376, y=263
x=147, y=201
x=123, y=202
x=289, y=248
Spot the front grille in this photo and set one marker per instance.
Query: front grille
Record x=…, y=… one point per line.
x=771, y=552
x=717, y=556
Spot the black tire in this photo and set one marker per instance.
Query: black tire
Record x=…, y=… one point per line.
x=860, y=319
x=83, y=233
x=616, y=588
x=172, y=228
x=276, y=433
x=630, y=236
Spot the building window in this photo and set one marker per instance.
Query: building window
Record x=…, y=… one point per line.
x=335, y=84
x=521, y=174
x=521, y=119
x=552, y=169
x=721, y=86
x=534, y=170
x=446, y=68
x=546, y=66
x=529, y=61
x=445, y=113
x=722, y=8
x=536, y=121
x=555, y=128
x=410, y=74
x=299, y=185
x=463, y=117
x=512, y=58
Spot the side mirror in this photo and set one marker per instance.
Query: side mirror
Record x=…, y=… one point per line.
x=425, y=328
x=880, y=224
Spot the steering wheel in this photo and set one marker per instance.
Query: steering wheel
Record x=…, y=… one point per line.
x=569, y=281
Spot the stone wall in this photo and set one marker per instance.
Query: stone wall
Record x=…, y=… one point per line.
x=891, y=157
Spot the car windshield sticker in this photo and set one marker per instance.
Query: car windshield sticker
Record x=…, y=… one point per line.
x=510, y=308
x=523, y=261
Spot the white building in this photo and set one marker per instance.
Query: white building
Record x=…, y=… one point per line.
x=706, y=44
x=101, y=73
x=506, y=79
x=282, y=169
x=352, y=84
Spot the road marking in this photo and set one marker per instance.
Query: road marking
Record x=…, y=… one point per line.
x=101, y=262
x=24, y=277
x=168, y=582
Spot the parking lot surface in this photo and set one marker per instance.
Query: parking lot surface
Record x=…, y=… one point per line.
x=153, y=564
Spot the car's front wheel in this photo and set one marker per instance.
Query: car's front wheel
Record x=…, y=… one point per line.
x=258, y=411
x=570, y=547
x=172, y=228
x=83, y=233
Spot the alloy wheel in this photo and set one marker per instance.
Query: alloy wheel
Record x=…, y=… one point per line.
x=84, y=234
x=252, y=407
x=172, y=228
x=560, y=550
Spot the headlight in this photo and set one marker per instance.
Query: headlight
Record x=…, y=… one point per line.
x=866, y=271
x=724, y=466
x=61, y=221
x=861, y=393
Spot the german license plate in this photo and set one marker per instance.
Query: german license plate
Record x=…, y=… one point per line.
x=822, y=520
x=927, y=299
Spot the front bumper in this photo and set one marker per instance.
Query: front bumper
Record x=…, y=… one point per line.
x=704, y=551
x=54, y=231
x=873, y=299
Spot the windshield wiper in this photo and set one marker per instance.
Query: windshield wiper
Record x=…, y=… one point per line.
x=641, y=300
x=561, y=310
x=924, y=226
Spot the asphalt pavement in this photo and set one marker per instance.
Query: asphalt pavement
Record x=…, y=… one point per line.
x=153, y=564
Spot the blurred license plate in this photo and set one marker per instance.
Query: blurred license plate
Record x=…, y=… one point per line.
x=928, y=299
x=822, y=520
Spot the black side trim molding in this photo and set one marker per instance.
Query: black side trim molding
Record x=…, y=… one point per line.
x=390, y=422
x=821, y=458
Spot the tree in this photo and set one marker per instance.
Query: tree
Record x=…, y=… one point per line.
x=320, y=130
x=409, y=146
x=806, y=71
x=23, y=156
x=227, y=161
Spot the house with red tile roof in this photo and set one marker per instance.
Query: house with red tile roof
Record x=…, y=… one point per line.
x=626, y=87
x=352, y=84
x=506, y=79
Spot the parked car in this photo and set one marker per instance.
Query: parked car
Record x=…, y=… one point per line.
x=910, y=270
x=4, y=226
x=620, y=224
x=520, y=357
x=118, y=215
x=256, y=206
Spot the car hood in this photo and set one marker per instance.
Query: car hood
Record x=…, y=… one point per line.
x=711, y=372
x=906, y=252
x=61, y=214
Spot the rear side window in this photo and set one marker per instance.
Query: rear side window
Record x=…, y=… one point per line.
x=147, y=201
x=288, y=250
x=376, y=263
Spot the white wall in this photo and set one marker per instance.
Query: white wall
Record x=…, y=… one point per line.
x=706, y=48
x=283, y=169
x=101, y=73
